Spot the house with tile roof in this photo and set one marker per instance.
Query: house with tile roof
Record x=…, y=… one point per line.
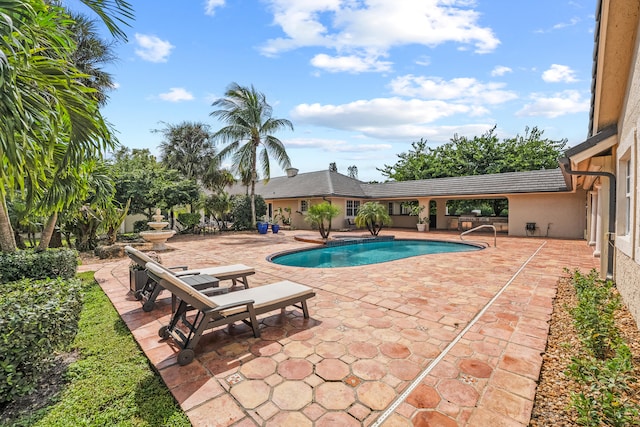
x=605, y=165
x=540, y=202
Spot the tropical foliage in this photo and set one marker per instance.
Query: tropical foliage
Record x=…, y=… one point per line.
x=479, y=155
x=374, y=216
x=249, y=127
x=320, y=216
x=49, y=112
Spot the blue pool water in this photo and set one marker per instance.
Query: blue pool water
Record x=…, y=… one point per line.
x=364, y=253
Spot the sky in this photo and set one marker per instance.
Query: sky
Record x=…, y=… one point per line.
x=359, y=79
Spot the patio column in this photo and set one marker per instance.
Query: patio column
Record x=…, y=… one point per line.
x=594, y=218
x=598, y=236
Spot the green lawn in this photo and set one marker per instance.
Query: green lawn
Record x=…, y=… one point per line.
x=111, y=383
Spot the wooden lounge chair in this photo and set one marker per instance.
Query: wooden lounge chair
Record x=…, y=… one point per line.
x=218, y=310
x=237, y=273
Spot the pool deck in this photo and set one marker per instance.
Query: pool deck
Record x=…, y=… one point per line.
x=446, y=340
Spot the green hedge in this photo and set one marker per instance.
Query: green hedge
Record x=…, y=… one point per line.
x=38, y=265
x=37, y=318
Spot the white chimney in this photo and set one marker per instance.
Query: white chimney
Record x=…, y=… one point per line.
x=291, y=172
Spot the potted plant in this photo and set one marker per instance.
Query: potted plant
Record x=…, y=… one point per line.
x=138, y=275
x=416, y=210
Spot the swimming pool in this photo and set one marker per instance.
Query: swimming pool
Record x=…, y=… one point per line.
x=369, y=252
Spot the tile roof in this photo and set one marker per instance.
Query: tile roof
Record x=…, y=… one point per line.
x=334, y=184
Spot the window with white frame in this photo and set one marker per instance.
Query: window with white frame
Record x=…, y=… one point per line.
x=352, y=207
x=304, y=205
x=627, y=197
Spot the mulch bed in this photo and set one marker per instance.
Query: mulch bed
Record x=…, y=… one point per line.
x=553, y=396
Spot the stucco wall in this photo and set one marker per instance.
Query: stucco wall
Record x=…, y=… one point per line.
x=563, y=213
x=628, y=283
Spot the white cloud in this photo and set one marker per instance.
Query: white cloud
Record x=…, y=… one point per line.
x=351, y=64
x=460, y=89
x=571, y=23
x=176, y=94
x=333, y=145
x=566, y=102
x=379, y=112
x=500, y=70
x=559, y=73
x=370, y=29
x=152, y=48
x=211, y=5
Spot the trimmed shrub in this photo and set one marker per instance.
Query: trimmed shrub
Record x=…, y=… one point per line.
x=38, y=265
x=242, y=211
x=141, y=225
x=37, y=318
x=189, y=220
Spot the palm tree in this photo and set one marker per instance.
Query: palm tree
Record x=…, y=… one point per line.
x=249, y=125
x=43, y=96
x=321, y=216
x=187, y=147
x=374, y=216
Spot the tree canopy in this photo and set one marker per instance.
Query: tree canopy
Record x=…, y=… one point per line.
x=484, y=154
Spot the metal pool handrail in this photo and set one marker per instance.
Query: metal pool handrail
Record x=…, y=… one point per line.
x=495, y=233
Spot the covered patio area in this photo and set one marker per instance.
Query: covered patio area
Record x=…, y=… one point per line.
x=447, y=339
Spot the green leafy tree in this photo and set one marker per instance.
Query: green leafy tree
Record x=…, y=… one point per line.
x=373, y=216
x=249, y=126
x=320, y=215
x=479, y=155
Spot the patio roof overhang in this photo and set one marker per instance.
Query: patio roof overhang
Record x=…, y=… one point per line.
x=588, y=156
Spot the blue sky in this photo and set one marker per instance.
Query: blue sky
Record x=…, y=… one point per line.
x=359, y=79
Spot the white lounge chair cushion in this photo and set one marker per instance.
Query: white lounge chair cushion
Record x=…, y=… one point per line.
x=262, y=295
x=222, y=272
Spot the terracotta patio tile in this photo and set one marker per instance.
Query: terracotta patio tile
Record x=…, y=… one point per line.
x=295, y=369
x=332, y=370
x=314, y=411
x=289, y=419
x=396, y=420
x=458, y=393
x=376, y=395
x=403, y=369
x=337, y=419
x=507, y=404
x=258, y=368
x=433, y=419
x=331, y=350
x=395, y=350
x=193, y=393
x=292, y=395
x=475, y=367
x=251, y=393
x=334, y=395
x=219, y=412
x=517, y=384
x=368, y=369
x=363, y=350
x=267, y=410
x=424, y=396
x=359, y=411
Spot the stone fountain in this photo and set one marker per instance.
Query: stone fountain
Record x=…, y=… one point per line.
x=158, y=237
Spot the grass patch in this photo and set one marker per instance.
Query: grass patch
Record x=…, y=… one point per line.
x=111, y=382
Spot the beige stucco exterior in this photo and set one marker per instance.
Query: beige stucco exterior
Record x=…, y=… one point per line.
x=615, y=106
x=557, y=215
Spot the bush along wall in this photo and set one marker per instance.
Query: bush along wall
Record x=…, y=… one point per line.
x=37, y=319
x=38, y=265
x=603, y=367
